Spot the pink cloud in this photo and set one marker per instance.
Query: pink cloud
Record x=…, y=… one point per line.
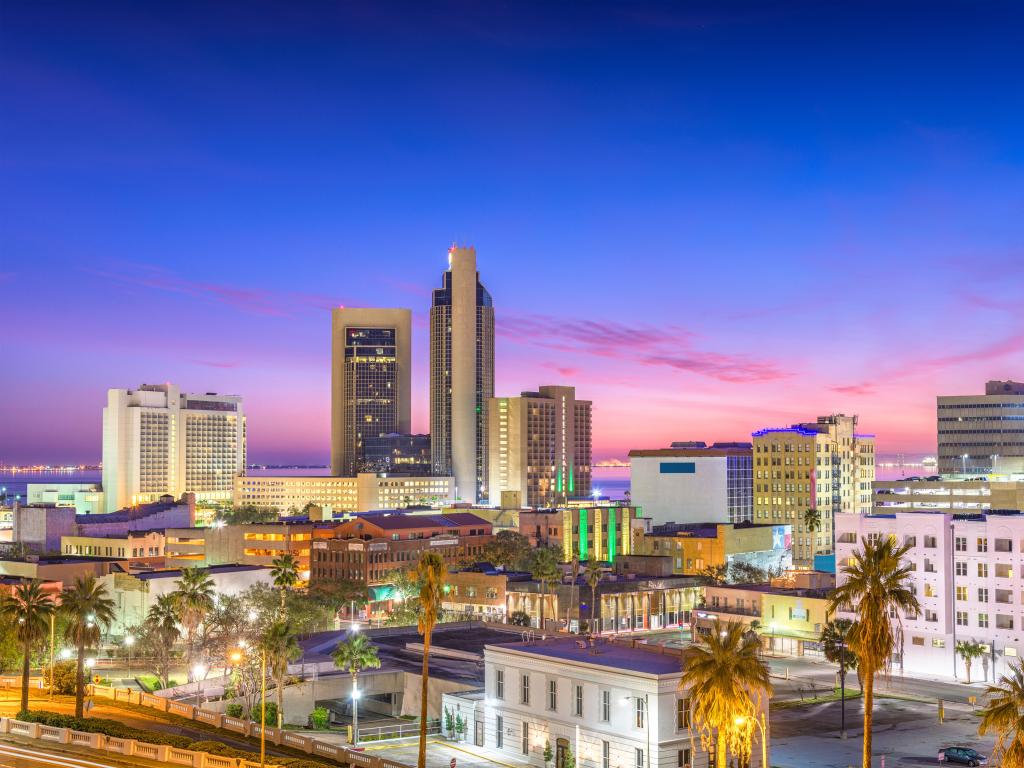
x=855, y=389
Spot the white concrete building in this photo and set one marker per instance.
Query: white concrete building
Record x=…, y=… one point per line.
x=695, y=484
x=613, y=706
x=967, y=577
x=159, y=440
x=365, y=492
x=86, y=498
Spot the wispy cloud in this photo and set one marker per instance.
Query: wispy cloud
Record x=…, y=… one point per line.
x=217, y=363
x=254, y=301
x=670, y=347
x=855, y=389
x=561, y=369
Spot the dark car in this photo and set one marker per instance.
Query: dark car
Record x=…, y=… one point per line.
x=962, y=756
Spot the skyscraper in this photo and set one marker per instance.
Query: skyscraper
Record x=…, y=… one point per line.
x=540, y=446
x=158, y=440
x=982, y=433
x=461, y=375
x=824, y=465
x=371, y=362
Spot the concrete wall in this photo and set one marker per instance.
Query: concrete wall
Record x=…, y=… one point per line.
x=41, y=528
x=700, y=496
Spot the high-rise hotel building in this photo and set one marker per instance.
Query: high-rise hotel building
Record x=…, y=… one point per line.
x=158, y=440
x=824, y=465
x=371, y=362
x=540, y=446
x=461, y=375
x=979, y=434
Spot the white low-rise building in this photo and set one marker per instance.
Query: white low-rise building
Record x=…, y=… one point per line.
x=967, y=577
x=611, y=706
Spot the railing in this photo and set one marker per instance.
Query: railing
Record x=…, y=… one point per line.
x=384, y=732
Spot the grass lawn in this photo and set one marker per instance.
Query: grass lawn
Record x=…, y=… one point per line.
x=836, y=695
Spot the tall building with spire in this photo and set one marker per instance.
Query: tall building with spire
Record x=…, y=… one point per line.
x=371, y=362
x=461, y=375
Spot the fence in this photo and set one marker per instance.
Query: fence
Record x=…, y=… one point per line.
x=297, y=741
x=158, y=752
x=384, y=732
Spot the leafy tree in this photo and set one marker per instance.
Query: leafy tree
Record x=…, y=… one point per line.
x=87, y=608
x=338, y=595
x=519, y=618
x=285, y=573
x=834, y=640
x=28, y=608
x=246, y=515
x=319, y=718
x=969, y=650
x=508, y=549
x=714, y=574
x=281, y=648
x=193, y=600
x=745, y=573
x=449, y=721
x=877, y=582
x=727, y=682
x=544, y=569
x=1004, y=716
x=431, y=573
x=64, y=676
x=9, y=650
x=593, y=575
x=354, y=654
x=548, y=752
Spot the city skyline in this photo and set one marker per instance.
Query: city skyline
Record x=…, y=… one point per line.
x=694, y=273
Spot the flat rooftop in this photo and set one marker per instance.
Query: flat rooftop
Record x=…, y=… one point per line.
x=648, y=660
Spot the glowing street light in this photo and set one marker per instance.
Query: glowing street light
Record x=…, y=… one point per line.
x=198, y=674
x=129, y=641
x=66, y=653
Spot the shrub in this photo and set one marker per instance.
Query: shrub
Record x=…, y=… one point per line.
x=234, y=710
x=319, y=718
x=106, y=727
x=271, y=714
x=519, y=618
x=64, y=673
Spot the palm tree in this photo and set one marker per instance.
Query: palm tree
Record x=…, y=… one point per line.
x=28, y=608
x=281, y=648
x=812, y=519
x=835, y=646
x=193, y=600
x=877, y=581
x=87, y=608
x=285, y=573
x=969, y=650
x=593, y=574
x=431, y=573
x=1004, y=716
x=728, y=684
x=573, y=589
x=355, y=654
x=545, y=570
x=160, y=633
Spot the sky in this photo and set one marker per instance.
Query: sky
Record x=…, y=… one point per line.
x=709, y=218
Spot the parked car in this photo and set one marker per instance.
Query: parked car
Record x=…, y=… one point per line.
x=962, y=756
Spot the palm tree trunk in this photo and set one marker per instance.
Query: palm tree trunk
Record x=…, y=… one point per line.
x=543, y=594
x=80, y=682
x=355, y=709
x=24, y=676
x=720, y=755
x=593, y=611
x=869, y=703
x=421, y=761
x=280, y=702
x=967, y=667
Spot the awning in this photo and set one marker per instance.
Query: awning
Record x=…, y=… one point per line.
x=382, y=592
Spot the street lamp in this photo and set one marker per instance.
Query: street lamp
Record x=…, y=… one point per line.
x=742, y=720
x=198, y=673
x=842, y=683
x=129, y=641
x=963, y=459
x=355, y=714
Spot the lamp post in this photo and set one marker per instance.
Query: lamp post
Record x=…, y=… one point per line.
x=355, y=714
x=198, y=673
x=842, y=684
x=742, y=720
x=263, y=707
x=963, y=460
x=129, y=641
x=53, y=619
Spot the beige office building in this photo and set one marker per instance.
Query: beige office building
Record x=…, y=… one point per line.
x=371, y=361
x=540, y=446
x=365, y=492
x=825, y=465
x=461, y=375
x=946, y=494
x=982, y=434
x=158, y=440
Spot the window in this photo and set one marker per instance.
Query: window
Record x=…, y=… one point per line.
x=579, y=701
x=606, y=706
x=639, y=711
x=917, y=641
x=524, y=690
x=929, y=590
x=961, y=618
x=499, y=730
x=682, y=714
x=606, y=754
x=983, y=570
x=938, y=642
x=499, y=683
x=552, y=694
x=960, y=543
x=983, y=620
x=684, y=758
x=961, y=593
x=929, y=541
x=982, y=544
x=639, y=758
x=526, y=738
x=961, y=568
